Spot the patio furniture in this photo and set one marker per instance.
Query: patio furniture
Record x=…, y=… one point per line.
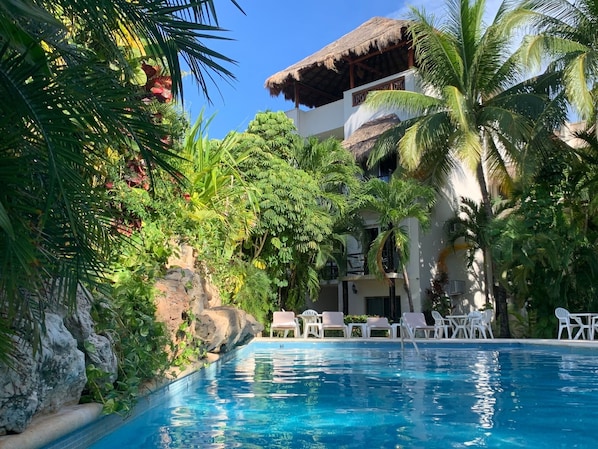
x=585, y=324
x=396, y=329
x=378, y=323
x=333, y=321
x=460, y=324
x=414, y=322
x=566, y=321
x=480, y=324
x=441, y=325
x=311, y=323
x=284, y=321
x=361, y=326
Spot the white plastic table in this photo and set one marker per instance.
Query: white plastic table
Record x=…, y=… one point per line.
x=586, y=325
x=459, y=323
x=360, y=326
x=311, y=325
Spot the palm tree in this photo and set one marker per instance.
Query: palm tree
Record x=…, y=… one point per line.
x=566, y=38
x=216, y=188
x=396, y=201
x=472, y=227
x=470, y=110
x=70, y=88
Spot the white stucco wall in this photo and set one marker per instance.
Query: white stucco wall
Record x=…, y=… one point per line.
x=355, y=116
x=341, y=119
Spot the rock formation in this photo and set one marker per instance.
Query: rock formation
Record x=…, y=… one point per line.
x=223, y=328
x=44, y=381
x=185, y=296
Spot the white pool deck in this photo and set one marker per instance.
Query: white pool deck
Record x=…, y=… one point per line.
x=49, y=428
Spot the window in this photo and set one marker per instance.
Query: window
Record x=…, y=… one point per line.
x=377, y=305
x=380, y=306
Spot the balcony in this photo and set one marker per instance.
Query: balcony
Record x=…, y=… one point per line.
x=358, y=97
x=340, y=118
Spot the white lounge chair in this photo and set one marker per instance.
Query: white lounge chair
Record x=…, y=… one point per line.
x=566, y=321
x=333, y=321
x=377, y=323
x=284, y=321
x=416, y=321
x=441, y=325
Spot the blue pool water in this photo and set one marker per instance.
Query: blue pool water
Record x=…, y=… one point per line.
x=375, y=395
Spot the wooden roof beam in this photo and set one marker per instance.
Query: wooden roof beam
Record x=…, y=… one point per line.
x=299, y=85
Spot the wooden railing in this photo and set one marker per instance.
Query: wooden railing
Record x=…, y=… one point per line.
x=395, y=84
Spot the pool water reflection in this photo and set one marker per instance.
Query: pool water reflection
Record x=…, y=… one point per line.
x=375, y=395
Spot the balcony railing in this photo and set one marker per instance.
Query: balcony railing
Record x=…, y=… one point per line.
x=356, y=266
x=329, y=272
x=394, y=84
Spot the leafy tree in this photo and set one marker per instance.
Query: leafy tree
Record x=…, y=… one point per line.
x=566, y=39
x=470, y=109
x=342, y=193
x=292, y=222
x=543, y=250
x=395, y=202
x=70, y=83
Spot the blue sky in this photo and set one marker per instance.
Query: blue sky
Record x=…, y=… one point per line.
x=272, y=36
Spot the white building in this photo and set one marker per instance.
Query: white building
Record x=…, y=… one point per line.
x=328, y=89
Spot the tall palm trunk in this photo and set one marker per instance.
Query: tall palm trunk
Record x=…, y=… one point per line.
x=487, y=257
x=406, y=284
x=502, y=313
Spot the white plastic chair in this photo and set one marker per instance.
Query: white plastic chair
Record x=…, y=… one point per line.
x=333, y=321
x=480, y=322
x=378, y=323
x=416, y=321
x=284, y=321
x=566, y=321
x=441, y=325
x=311, y=323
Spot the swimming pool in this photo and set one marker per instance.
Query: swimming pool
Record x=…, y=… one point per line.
x=287, y=394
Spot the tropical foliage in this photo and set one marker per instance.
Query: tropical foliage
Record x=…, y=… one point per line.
x=102, y=176
x=71, y=79
x=472, y=108
x=566, y=40
x=545, y=244
x=292, y=222
x=395, y=202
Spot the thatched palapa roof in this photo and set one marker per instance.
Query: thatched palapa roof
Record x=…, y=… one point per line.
x=361, y=142
x=376, y=49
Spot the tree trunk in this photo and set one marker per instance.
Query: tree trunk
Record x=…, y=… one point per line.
x=487, y=256
x=502, y=314
x=406, y=285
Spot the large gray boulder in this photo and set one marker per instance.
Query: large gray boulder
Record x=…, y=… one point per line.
x=97, y=348
x=41, y=382
x=223, y=328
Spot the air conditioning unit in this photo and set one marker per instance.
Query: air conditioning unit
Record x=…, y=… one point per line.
x=456, y=287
